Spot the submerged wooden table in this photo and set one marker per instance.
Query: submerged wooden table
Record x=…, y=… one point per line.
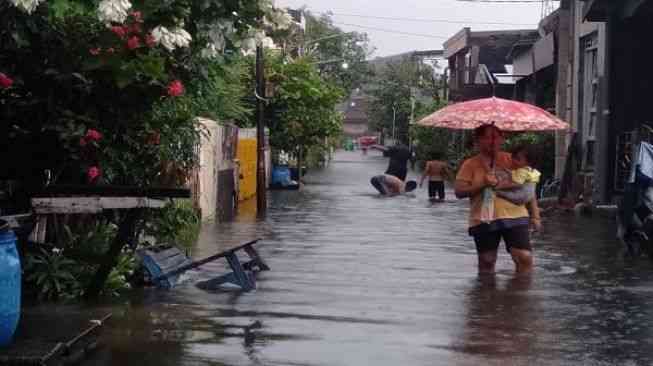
x=94, y=200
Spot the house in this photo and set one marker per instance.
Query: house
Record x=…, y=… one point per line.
x=615, y=85
x=355, y=122
x=479, y=63
x=600, y=52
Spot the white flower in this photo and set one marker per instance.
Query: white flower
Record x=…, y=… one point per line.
x=113, y=11
x=171, y=38
x=266, y=5
x=259, y=36
x=211, y=51
x=267, y=42
x=280, y=19
x=27, y=6
x=217, y=33
x=248, y=46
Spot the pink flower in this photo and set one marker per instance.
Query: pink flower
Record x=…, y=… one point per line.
x=95, y=51
x=111, y=50
x=150, y=41
x=119, y=31
x=137, y=15
x=175, y=88
x=133, y=43
x=93, y=174
x=93, y=135
x=5, y=81
x=82, y=142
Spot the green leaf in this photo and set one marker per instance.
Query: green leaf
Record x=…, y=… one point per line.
x=93, y=63
x=123, y=80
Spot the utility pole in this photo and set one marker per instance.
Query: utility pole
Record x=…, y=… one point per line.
x=394, y=116
x=261, y=190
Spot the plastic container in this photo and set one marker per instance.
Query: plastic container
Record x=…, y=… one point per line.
x=281, y=176
x=10, y=285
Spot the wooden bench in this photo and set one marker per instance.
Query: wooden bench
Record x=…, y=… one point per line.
x=165, y=263
x=54, y=200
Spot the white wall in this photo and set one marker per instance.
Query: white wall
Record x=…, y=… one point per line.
x=210, y=156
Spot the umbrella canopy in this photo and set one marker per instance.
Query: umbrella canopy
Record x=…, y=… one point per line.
x=507, y=115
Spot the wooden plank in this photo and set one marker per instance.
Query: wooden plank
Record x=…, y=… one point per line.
x=72, y=205
x=112, y=191
x=38, y=234
x=163, y=254
x=456, y=43
x=172, y=263
x=256, y=259
x=14, y=220
x=204, y=261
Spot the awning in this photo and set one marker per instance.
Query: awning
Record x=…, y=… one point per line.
x=600, y=10
x=595, y=11
x=543, y=52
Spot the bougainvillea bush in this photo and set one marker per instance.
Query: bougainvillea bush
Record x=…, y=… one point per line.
x=107, y=91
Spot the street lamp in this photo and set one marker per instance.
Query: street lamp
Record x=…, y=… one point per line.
x=343, y=65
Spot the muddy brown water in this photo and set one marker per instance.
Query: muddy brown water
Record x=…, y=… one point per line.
x=361, y=280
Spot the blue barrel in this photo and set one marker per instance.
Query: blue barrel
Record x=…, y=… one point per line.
x=281, y=175
x=9, y=284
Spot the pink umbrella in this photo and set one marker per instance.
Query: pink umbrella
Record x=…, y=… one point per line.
x=507, y=115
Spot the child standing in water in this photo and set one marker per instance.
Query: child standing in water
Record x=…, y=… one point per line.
x=437, y=171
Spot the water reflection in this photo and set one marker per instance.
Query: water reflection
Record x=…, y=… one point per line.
x=359, y=280
x=500, y=318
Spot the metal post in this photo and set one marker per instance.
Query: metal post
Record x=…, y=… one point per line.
x=394, y=115
x=261, y=190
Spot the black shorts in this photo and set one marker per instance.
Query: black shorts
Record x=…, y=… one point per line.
x=436, y=187
x=514, y=237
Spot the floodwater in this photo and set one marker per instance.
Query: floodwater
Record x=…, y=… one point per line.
x=361, y=280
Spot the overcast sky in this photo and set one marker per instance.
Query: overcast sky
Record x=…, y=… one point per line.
x=430, y=22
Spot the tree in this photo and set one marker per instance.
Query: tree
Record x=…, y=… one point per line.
x=131, y=75
x=302, y=114
x=430, y=142
x=330, y=48
x=393, y=90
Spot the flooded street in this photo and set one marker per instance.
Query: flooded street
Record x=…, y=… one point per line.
x=361, y=280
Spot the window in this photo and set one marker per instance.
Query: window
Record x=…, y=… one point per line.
x=589, y=95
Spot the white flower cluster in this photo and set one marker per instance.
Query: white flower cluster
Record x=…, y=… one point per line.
x=217, y=35
x=256, y=38
x=278, y=19
x=27, y=6
x=114, y=11
x=171, y=38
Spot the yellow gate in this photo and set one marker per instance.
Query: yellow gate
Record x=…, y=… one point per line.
x=247, y=157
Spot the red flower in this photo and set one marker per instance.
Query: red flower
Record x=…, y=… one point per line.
x=5, y=81
x=82, y=142
x=95, y=51
x=93, y=135
x=154, y=138
x=119, y=31
x=137, y=15
x=93, y=174
x=150, y=41
x=135, y=28
x=175, y=88
x=133, y=43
